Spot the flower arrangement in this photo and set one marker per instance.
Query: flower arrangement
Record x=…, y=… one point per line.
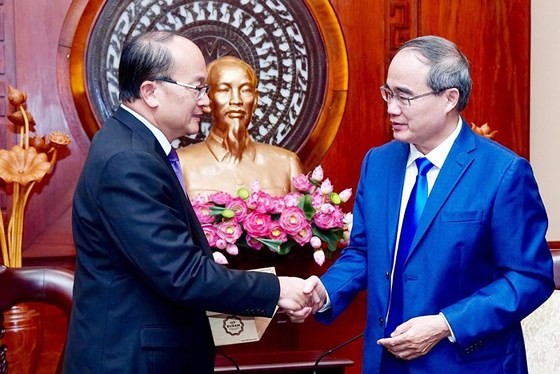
x=21, y=167
x=255, y=219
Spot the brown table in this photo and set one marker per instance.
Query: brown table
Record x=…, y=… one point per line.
x=293, y=362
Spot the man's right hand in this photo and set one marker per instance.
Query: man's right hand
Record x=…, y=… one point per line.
x=317, y=295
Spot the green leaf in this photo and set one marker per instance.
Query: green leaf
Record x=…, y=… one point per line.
x=331, y=237
x=277, y=246
x=216, y=210
x=306, y=204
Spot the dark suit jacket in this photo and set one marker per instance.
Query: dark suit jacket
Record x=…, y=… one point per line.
x=479, y=255
x=144, y=272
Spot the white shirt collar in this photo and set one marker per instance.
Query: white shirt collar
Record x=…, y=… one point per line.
x=157, y=132
x=438, y=155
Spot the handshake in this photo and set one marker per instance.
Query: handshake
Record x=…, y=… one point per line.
x=301, y=297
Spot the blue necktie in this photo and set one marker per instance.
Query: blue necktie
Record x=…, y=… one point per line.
x=176, y=165
x=412, y=214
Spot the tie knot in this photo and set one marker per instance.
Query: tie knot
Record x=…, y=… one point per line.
x=172, y=156
x=424, y=165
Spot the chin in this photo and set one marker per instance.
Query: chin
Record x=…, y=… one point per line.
x=192, y=128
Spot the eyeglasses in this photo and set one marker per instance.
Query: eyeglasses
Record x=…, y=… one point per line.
x=403, y=101
x=200, y=90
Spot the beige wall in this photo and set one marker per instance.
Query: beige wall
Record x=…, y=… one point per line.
x=545, y=107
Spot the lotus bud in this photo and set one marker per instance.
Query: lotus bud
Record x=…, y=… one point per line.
x=16, y=97
x=220, y=258
x=319, y=257
x=221, y=244
x=335, y=198
x=315, y=242
x=317, y=174
x=39, y=143
x=17, y=118
x=345, y=195
x=243, y=193
x=326, y=187
x=232, y=249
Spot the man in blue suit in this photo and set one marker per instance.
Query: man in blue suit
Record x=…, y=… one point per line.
x=477, y=262
x=145, y=275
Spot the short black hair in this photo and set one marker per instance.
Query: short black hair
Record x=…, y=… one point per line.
x=144, y=58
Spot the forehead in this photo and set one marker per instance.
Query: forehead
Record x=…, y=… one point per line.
x=408, y=70
x=187, y=59
x=227, y=72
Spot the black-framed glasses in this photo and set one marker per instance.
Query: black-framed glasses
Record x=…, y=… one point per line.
x=200, y=90
x=403, y=101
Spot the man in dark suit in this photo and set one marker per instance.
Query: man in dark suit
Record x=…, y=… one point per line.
x=145, y=275
x=447, y=294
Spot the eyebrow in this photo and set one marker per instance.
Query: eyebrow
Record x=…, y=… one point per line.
x=399, y=90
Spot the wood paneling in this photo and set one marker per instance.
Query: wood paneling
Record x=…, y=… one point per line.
x=493, y=34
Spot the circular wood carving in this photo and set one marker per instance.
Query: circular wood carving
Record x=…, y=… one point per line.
x=296, y=48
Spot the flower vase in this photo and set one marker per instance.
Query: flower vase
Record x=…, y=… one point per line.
x=23, y=339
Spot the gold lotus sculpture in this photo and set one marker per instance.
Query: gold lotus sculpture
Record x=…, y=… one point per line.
x=484, y=130
x=21, y=167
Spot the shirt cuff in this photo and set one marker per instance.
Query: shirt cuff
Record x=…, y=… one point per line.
x=327, y=305
x=452, y=336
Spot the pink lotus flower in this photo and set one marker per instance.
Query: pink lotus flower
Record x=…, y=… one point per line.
x=329, y=217
x=254, y=219
x=203, y=213
x=292, y=220
x=230, y=231
x=220, y=198
x=302, y=183
x=277, y=232
x=303, y=236
x=257, y=224
x=211, y=233
x=239, y=207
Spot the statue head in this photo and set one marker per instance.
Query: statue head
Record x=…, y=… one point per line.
x=233, y=94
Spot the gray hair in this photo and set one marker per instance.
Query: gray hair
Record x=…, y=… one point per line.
x=449, y=68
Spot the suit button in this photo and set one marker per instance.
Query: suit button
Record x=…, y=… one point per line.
x=381, y=321
x=387, y=275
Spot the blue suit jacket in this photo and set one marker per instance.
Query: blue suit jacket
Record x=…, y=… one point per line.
x=144, y=271
x=479, y=255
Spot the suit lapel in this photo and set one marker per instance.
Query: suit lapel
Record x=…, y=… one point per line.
x=394, y=193
x=456, y=163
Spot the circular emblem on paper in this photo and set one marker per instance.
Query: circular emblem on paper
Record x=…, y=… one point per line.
x=233, y=325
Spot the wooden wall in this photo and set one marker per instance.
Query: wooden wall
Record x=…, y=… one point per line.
x=35, y=41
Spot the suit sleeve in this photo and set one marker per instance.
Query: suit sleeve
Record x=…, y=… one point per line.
x=348, y=275
x=524, y=268
x=152, y=229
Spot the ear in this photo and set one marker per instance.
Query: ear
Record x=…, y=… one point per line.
x=452, y=97
x=148, y=90
x=255, y=102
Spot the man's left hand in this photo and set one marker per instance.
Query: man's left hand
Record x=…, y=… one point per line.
x=416, y=337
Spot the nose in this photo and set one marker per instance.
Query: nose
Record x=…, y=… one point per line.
x=204, y=100
x=235, y=97
x=393, y=108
